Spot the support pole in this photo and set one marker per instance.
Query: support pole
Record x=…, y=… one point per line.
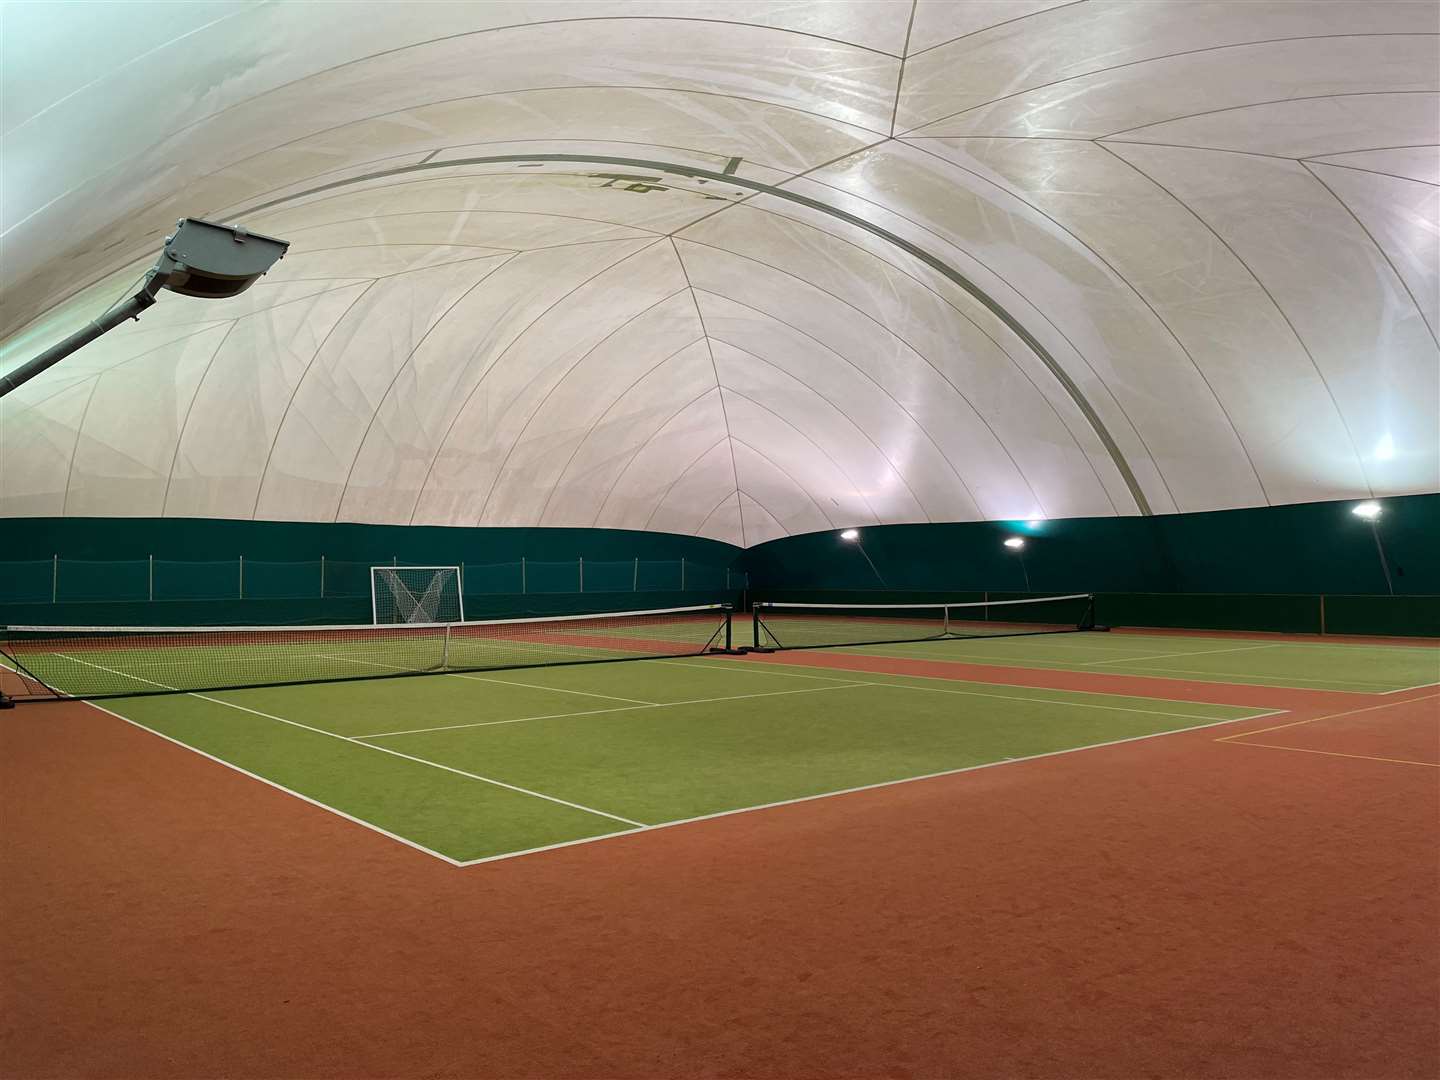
x=242, y=577
x=55, y=579
x=130, y=309
x=322, y=577
x=152, y=578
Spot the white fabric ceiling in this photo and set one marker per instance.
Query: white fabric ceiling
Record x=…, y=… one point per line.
x=743, y=271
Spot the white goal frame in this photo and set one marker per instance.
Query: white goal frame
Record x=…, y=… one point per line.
x=374, y=604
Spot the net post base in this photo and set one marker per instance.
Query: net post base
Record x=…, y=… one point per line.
x=6, y=702
x=725, y=652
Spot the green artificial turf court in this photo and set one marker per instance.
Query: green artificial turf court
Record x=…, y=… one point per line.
x=476, y=765
x=1355, y=668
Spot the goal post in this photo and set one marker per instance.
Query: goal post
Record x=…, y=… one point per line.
x=416, y=594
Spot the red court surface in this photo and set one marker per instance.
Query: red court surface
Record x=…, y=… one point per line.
x=1178, y=906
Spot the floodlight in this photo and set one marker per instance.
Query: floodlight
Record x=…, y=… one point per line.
x=850, y=534
x=1367, y=510
x=200, y=259
x=1033, y=524
x=1015, y=543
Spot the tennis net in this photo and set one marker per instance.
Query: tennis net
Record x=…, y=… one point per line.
x=817, y=626
x=122, y=661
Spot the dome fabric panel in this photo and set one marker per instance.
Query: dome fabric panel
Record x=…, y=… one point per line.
x=742, y=274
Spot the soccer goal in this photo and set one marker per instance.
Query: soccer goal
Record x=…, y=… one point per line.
x=416, y=594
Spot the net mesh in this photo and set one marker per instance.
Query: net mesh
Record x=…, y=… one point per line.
x=814, y=626
x=120, y=661
x=416, y=594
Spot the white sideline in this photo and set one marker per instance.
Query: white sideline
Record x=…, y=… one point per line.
x=461, y=863
x=368, y=746
x=1197, y=652
x=268, y=782
x=766, y=670
x=618, y=708
x=1347, y=686
x=281, y=787
x=862, y=787
x=781, y=693
x=1420, y=686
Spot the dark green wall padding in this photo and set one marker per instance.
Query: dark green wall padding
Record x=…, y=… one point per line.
x=1258, y=569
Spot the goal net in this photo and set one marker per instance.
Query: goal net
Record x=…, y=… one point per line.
x=416, y=594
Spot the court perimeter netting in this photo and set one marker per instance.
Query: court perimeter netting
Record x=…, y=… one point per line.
x=817, y=626
x=121, y=661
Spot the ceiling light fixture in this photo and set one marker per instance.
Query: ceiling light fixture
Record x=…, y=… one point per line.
x=200, y=258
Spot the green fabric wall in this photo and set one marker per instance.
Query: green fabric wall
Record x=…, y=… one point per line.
x=1307, y=548
x=105, y=575
x=1143, y=564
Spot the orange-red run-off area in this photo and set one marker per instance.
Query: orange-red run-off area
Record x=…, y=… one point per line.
x=1252, y=898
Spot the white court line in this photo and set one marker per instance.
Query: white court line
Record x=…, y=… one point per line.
x=764, y=669
x=1193, y=652
x=1066, y=704
x=1051, y=641
x=481, y=678
x=1420, y=686
x=368, y=746
x=288, y=791
x=1348, y=684
x=291, y=791
x=853, y=790
x=681, y=821
x=781, y=693
x=1217, y=677
x=1026, y=642
x=621, y=708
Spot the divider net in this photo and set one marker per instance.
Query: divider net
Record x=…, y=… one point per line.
x=121, y=661
x=416, y=594
x=816, y=626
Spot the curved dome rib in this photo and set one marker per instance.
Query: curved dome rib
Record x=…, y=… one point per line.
x=1045, y=257
x=1012, y=324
